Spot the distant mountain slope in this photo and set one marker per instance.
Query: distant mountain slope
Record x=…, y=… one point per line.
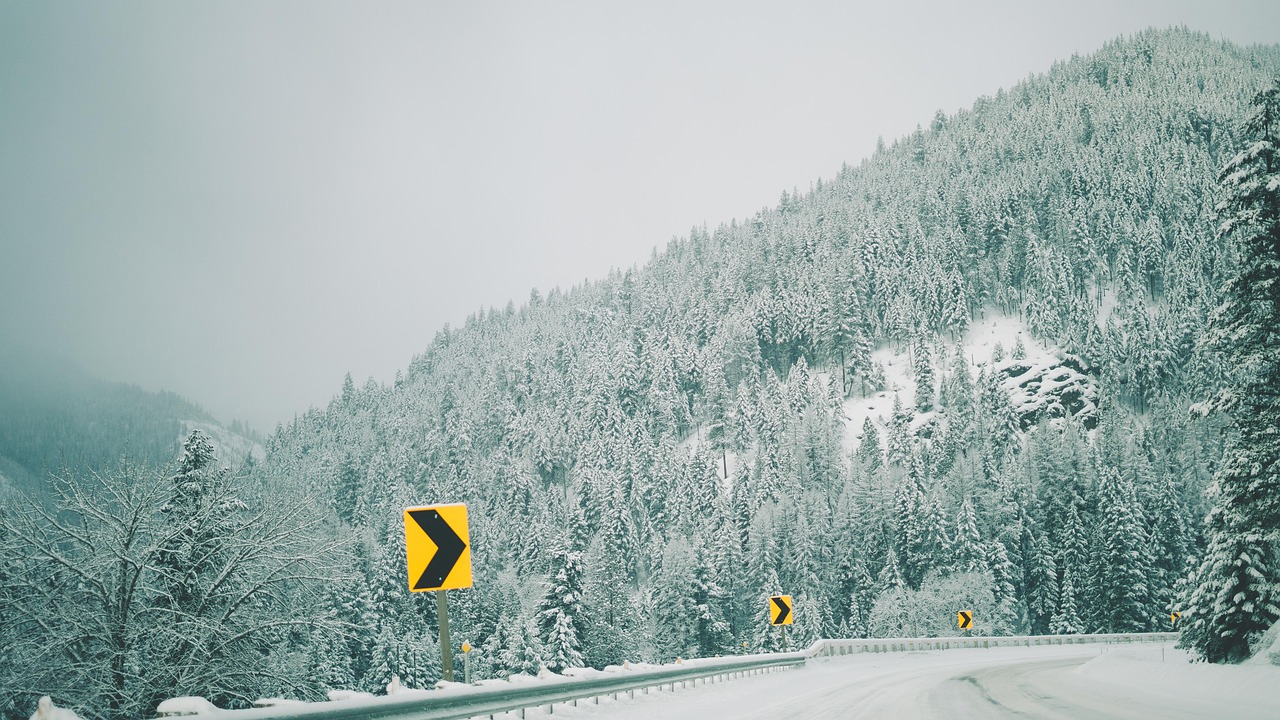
x=54, y=417
x=687, y=424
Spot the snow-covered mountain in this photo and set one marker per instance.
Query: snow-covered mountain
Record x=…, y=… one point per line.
x=1010, y=300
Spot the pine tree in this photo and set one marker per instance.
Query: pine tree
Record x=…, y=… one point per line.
x=1003, y=575
x=890, y=577
x=966, y=545
x=1019, y=350
x=923, y=359
x=712, y=631
x=1235, y=596
x=900, y=435
x=414, y=660
x=870, y=453
x=767, y=637
x=1122, y=558
x=862, y=595
x=1042, y=582
x=674, y=608
x=561, y=613
x=512, y=648
x=1072, y=559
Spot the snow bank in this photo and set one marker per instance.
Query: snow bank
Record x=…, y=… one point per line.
x=1230, y=690
x=1268, y=650
x=186, y=705
x=46, y=710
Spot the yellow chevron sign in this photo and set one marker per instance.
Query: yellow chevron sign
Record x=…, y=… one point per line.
x=964, y=619
x=780, y=610
x=437, y=547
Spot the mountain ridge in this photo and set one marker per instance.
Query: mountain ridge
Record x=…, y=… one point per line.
x=1078, y=205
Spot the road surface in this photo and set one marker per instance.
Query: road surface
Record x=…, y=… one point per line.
x=1054, y=683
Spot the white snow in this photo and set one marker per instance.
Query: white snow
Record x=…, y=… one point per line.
x=185, y=705
x=230, y=446
x=1268, y=650
x=277, y=702
x=1081, y=681
x=341, y=695
x=46, y=710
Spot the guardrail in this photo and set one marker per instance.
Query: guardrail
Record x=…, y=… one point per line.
x=829, y=648
x=455, y=702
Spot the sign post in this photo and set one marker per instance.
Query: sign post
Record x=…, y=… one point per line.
x=446, y=649
x=466, y=662
x=438, y=556
x=780, y=614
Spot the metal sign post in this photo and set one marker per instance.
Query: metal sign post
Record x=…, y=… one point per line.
x=446, y=650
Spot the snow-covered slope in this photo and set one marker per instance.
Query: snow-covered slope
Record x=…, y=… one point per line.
x=1045, y=382
x=232, y=447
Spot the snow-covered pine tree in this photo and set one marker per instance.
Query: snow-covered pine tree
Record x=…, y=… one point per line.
x=674, y=611
x=1122, y=557
x=1019, y=351
x=1041, y=580
x=869, y=452
x=861, y=592
x=922, y=357
x=966, y=544
x=1072, y=563
x=415, y=660
x=712, y=631
x=890, y=577
x=900, y=435
x=1236, y=592
x=512, y=648
x=1003, y=575
x=561, y=612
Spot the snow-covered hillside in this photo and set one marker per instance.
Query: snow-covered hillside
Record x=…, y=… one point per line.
x=1045, y=382
x=232, y=447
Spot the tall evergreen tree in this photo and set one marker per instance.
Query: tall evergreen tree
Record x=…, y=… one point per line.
x=923, y=359
x=1236, y=597
x=561, y=613
x=1122, y=561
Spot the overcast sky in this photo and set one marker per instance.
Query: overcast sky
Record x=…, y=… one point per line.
x=241, y=202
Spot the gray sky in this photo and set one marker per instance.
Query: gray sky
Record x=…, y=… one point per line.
x=240, y=202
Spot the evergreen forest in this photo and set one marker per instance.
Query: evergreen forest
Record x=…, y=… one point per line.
x=977, y=368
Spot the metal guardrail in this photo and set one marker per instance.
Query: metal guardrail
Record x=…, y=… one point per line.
x=468, y=702
x=829, y=648
x=458, y=702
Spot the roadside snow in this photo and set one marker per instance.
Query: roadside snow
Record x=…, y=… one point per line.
x=1081, y=681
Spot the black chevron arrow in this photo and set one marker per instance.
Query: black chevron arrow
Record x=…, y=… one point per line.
x=783, y=610
x=965, y=620
x=449, y=548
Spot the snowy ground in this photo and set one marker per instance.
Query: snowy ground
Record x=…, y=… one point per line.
x=1067, y=682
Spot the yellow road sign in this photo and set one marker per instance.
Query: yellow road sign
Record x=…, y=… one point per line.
x=1173, y=617
x=780, y=610
x=437, y=547
x=964, y=619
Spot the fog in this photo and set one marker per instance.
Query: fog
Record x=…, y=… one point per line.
x=241, y=202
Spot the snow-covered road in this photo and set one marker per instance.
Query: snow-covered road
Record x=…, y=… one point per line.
x=1069, y=682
